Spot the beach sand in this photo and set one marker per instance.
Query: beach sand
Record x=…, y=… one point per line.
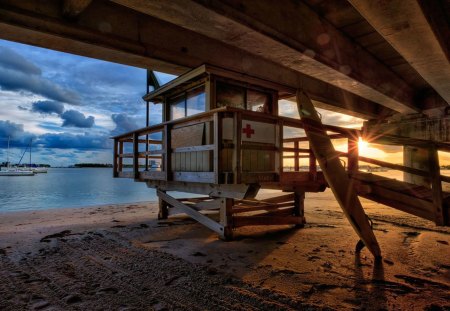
x=120, y=257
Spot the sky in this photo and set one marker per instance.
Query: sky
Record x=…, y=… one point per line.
x=70, y=106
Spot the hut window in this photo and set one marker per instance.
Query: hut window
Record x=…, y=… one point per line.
x=258, y=101
x=188, y=103
x=177, y=107
x=230, y=95
x=195, y=101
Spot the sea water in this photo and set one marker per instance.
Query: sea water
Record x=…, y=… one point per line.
x=78, y=187
x=70, y=187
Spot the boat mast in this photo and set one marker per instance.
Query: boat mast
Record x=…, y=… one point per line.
x=31, y=140
x=7, y=154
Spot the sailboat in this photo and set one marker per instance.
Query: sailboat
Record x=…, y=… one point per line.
x=36, y=170
x=13, y=171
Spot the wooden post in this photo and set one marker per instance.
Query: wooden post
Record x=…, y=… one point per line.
x=163, y=208
x=115, y=157
x=296, y=158
x=136, y=155
x=436, y=186
x=226, y=218
x=299, y=207
x=353, y=154
x=217, y=146
x=167, y=153
x=237, y=155
x=120, y=166
x=279, y=145
x=312, y=165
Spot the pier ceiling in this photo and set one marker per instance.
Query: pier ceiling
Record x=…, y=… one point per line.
x=368, y=59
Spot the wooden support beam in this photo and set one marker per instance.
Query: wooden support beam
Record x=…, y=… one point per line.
x=73, y=8
x=163, y=212
x=129, y=42
x=296, y=45
x=204, y=220
x=405, y=26
x=335, y=174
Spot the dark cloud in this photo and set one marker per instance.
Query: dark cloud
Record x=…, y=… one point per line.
x=22, y=108
x=48, y=107
x=124, y=123
x=11, y=80
x=77, y=119
x=14, y=131
x=11, y=60
x=71, y=141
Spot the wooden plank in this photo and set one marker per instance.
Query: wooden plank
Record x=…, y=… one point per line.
x=152, y=175
x=192, y=135
x=204, y=220
x=296, y=158
x=193, y=148
x=335, y=173
x=241, y=221
x=436, y=186
x=202, y=177
x=239, y=191
x=303, y=139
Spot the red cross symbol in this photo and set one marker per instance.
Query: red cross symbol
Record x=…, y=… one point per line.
x=248, y=131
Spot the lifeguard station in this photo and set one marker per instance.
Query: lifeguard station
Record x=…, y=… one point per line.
x=222, y=137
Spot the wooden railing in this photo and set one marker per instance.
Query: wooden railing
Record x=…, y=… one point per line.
x=157, y=149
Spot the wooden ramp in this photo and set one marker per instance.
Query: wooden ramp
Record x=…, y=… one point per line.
x=410, y=198
x=335, y=174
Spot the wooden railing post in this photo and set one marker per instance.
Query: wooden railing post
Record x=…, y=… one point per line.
x=353, y=155
x=312, y=165
x=120, y=165
x=436, y=185
x=217, y=124
x=296, y=158
x=136, y=155
x=237, y=152
x=167, y=152
x=115, y=157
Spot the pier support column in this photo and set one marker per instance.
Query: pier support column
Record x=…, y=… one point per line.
x=416, y=158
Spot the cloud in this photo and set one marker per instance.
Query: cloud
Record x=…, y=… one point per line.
x=11, y=60
x=11, y=80
x=48, y=107
x=77, y=119
x=22, y=108
x=124, y=123
x=14, y=131
x=71, y=141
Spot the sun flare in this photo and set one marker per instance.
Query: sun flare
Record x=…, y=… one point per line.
x=363, y=146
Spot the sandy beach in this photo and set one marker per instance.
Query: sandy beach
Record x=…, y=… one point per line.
x=120, y=257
